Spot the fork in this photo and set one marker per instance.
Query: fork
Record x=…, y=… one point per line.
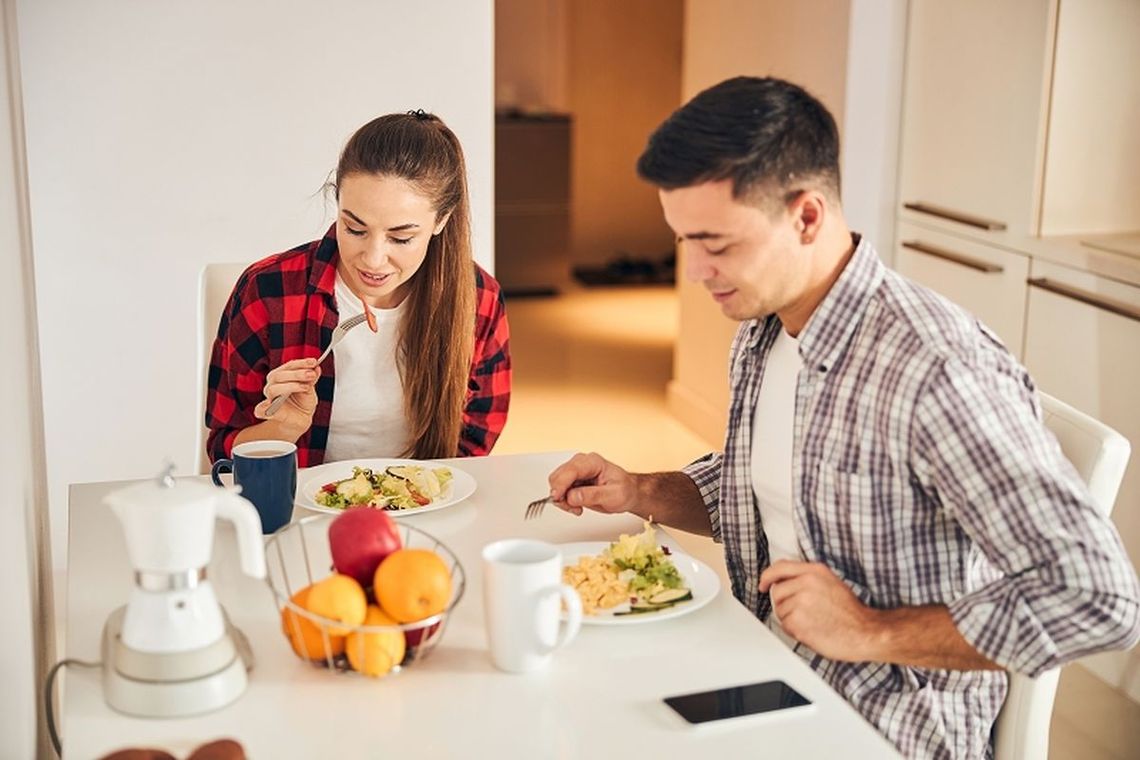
x=534, y=509
x=338, y=334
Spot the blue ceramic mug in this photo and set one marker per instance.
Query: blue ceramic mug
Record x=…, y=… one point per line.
x=267, y=474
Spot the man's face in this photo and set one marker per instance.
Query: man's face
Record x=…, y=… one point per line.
x=748, y=259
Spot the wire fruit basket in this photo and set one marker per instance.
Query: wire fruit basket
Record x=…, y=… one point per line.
x=298, y=555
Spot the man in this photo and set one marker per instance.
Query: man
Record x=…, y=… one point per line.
x=888, y=498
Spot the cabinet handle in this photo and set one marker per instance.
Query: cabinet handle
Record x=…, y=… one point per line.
x=1092, y=299
x=955, y=216
x=957, y=258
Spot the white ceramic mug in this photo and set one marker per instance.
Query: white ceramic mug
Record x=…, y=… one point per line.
x=522, y=588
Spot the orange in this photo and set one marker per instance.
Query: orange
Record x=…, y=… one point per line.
x=375, y=654
x=305, y=636
x=412, y=584
x=340, y=598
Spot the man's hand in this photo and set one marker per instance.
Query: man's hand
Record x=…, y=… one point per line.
x=588, y=481
x=818, y=609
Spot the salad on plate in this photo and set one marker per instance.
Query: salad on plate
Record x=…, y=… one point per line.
x=397, y=487
x=633, y=569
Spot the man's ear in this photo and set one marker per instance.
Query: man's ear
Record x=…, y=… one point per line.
x=809, y=211
x=441, y=224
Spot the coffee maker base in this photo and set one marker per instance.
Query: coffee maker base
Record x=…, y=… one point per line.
x=170, y=685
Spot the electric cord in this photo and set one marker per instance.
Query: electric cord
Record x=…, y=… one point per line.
x=48, y=710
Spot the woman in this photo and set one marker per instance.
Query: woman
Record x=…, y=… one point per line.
x=425, y=384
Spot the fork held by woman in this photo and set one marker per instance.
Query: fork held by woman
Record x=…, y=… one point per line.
x=338, y=334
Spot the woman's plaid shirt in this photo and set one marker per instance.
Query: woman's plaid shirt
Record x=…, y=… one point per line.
x=922, y=474
x=283, y=308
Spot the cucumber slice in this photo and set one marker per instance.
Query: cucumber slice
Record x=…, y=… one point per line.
x=642, y=606
x=643, y=610
x=660, y=601
x=671, y=596
x=399, y=471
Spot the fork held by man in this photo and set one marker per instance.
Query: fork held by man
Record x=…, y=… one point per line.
x=534, y=509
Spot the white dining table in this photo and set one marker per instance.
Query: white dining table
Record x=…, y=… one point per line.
x=599, y=697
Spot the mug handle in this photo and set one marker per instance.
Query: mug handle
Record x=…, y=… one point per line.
x=216, y=470
x=573, y=615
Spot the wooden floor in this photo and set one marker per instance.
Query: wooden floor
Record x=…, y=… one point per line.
x=590, y=368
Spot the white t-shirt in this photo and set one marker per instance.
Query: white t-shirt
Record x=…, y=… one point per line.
x=771, y=465
x=368, y=403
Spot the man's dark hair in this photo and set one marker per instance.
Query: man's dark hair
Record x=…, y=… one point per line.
x=770, y=137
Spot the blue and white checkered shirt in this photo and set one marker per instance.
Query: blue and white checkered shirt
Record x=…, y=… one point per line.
x=922, y=474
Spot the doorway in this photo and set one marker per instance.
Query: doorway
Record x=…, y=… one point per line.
x=582, y=251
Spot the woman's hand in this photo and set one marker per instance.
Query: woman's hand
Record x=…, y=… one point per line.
x=298, y=378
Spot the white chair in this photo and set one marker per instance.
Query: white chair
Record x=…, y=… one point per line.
x=215, y=284
x=1100, y=455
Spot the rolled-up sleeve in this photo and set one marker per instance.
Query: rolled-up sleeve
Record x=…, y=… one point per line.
x=1066, y=585
x=705, y=473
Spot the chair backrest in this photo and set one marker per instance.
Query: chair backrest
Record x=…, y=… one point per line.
x=215, y=284
x=1100, y=455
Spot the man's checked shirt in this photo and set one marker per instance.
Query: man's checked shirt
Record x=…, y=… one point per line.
x=922, y=474
x=284, y=308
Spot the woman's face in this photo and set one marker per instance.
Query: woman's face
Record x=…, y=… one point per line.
x=382, y=230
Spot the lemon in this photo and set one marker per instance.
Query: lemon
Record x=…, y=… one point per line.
x=375, y=654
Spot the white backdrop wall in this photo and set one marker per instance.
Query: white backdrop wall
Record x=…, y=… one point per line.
x=165, y=135
x=25, y=646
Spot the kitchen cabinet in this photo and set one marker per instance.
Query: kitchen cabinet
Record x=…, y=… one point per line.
x=532, y=203
x=974, y=105
x=1093, y=157
x=987, y=281
x=1082, y=345
x=1018, y=117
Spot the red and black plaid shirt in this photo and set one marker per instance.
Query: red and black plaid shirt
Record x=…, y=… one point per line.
x=283, y=308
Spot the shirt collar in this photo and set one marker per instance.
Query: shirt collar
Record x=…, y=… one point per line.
x=323, y=277
x=829, y=330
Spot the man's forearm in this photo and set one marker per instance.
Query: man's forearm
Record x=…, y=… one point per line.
x=924, y=637
x=673, y=499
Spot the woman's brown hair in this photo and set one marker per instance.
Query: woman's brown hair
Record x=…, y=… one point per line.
x=437, y=330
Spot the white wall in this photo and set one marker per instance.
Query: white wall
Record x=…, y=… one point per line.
x=25, y=646
x=162, y=136
x=876, y=46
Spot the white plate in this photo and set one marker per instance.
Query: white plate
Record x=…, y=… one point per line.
x=699, y=577
x=313, y=479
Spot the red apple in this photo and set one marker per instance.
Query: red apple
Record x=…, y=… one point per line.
x=360, y=539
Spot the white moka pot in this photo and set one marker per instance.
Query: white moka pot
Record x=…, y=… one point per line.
x=169, y=525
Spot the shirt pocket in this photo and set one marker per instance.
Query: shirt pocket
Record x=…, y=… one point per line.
x=848, y=520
